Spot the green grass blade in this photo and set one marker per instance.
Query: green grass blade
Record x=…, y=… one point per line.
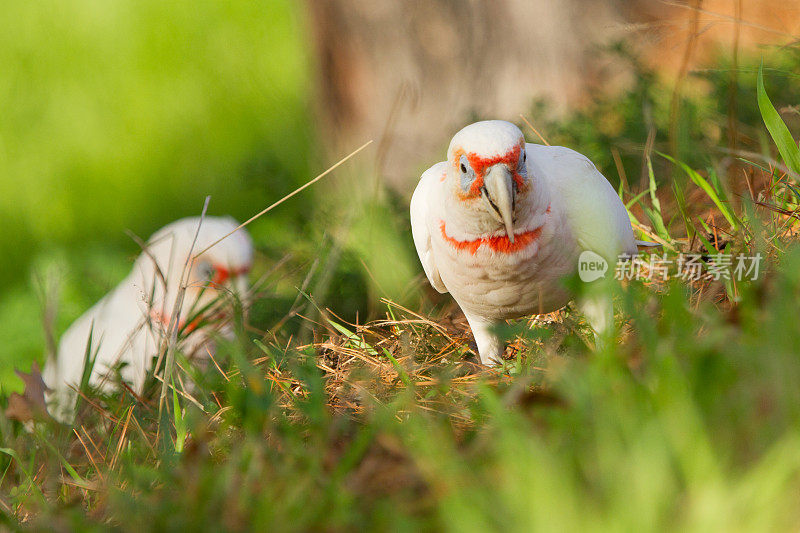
x=404, y=377
x=790, y=153
x=181, y=430
x=680, y=199
x=701, y=182
x=28, y=477
x=636, y=198
x=357, y=341
x=654, y=214
x=68, y=467
x=707, y=244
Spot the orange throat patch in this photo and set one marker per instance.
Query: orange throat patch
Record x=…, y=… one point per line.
x=500, y=244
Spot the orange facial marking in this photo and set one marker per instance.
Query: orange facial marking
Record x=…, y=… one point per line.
x=193, y=324
x=164, y=320
x=481, y=164
x=222, y=274
x=500, y=244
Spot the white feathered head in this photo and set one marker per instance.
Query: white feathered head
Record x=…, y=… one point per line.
x=223, y=268
x=487, y=171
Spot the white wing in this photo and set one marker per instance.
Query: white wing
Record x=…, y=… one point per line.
x=598, y=217
x=118, y=333
x=421, y=203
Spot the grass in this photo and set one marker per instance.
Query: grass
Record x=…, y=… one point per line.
x=690, y=420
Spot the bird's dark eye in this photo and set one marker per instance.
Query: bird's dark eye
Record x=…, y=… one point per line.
x=205, y=270
x=467, y=173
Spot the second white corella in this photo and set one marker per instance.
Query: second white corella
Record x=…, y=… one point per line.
x=126, y=329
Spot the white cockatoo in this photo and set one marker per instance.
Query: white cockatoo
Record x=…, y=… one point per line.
x=502, y=221
x=130, y=323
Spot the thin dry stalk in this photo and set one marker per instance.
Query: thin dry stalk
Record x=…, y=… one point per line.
x=675, y=104
x=121, y=441
x=146, y=250
x=174, y=320
x=623, y=176
x=279, y=202
x=89, y=455
x=733, y=91
x=91, y=441
x=525, y=120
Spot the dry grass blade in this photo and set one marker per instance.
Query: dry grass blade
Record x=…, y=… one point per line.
x=89, y=455
x=659, y=240
x=145, y=247
x=100, y=454
x=279, y=202
x=181, y=393
x=777, y=209
x=174, y=320
x=121, y=441
x=425, y=320
x=525, y=120
x=216, y=365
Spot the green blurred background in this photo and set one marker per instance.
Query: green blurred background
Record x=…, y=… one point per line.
x=124, y=115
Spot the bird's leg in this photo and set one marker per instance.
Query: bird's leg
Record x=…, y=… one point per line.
x=490, y=346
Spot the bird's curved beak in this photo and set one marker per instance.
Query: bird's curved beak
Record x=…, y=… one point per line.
x=500, y=196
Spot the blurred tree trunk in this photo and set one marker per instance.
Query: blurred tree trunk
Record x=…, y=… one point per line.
x=409, y=74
